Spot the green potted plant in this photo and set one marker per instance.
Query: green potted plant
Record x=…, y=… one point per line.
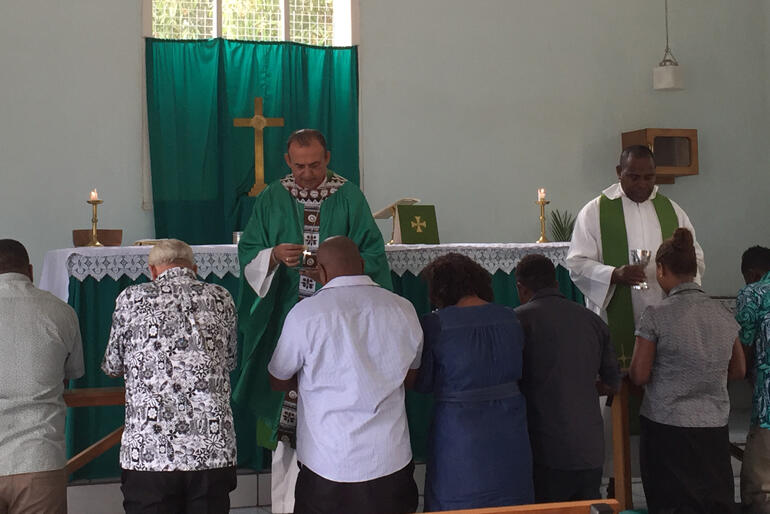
x=562, y=224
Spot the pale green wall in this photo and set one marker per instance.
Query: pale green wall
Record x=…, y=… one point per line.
x=470, y=105
x=473, y=105
x=70, y=120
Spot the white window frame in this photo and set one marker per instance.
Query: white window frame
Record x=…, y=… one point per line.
x=345, y=21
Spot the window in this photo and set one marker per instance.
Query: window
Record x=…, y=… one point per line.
x=315, y=22
x=183, y=19
x=311, y=20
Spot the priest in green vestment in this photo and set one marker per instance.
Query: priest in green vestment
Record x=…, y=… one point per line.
x=277, y=253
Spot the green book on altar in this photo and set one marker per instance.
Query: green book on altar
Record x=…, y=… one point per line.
x=415, y=224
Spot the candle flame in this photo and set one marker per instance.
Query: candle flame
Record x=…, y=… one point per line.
x=541, y=194
x=94, y=195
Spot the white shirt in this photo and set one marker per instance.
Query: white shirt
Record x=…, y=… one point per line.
x=351, y=345
x=39, y=348
x=584, y=258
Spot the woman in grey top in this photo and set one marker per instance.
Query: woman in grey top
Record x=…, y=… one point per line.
x=686, y=349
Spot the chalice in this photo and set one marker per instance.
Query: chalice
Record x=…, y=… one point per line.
x=640, y=257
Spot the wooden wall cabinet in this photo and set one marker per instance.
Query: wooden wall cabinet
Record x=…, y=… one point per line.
x=676, y=150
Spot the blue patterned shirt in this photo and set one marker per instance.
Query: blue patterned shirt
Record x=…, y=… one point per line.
x=753, y=314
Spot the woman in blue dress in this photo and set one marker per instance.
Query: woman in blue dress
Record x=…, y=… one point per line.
x=478, y=450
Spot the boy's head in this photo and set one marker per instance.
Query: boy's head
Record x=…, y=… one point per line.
x=755, y=263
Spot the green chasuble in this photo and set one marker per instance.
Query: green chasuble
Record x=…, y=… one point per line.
x=615, y=252
x=280, y=218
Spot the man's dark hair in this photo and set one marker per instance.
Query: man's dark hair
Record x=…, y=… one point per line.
x=453, y=276
x=536, y=272
x=677, y=253
x=635, y=151
x=13, y=257
x=305, y=137
x=756, y=258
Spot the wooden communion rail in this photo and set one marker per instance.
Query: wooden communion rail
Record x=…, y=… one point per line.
x=580, y=507
x=94, y=397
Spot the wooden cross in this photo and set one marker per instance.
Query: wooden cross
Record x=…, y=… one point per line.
x=419, y=225
x=258, y=122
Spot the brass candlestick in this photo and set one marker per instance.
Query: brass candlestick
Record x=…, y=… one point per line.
x=94, y=219
x=542, y=203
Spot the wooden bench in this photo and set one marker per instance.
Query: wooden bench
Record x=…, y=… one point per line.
x=581, y=507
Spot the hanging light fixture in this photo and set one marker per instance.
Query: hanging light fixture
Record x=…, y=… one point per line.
x=667, y=76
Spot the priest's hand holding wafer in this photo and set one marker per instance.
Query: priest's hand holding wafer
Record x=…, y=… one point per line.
x=287, y=254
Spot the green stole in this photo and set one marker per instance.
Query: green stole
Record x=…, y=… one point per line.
x=615, y=252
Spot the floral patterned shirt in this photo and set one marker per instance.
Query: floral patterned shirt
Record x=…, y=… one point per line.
x=174, y=341
x=753, y=314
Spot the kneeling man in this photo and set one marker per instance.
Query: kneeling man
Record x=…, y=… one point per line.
x=40, y=350
x=350, y=347
x=174, y=340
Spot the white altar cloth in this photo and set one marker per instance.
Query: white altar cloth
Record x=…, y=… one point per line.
x=131, y=261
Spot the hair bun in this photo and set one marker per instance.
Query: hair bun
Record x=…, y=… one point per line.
x=682, y=239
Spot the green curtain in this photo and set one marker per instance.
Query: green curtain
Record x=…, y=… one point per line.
x=202, y=166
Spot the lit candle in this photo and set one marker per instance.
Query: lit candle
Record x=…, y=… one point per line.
x=540, y=194
x=94, y=195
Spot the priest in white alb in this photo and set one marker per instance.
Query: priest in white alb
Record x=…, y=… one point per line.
x=630, y=214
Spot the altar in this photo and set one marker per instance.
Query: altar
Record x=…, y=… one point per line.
x=90, y=279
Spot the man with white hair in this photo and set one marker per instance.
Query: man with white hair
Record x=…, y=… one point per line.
x=174, y=340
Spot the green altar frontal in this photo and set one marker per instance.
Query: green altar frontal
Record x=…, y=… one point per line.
x=90, y=280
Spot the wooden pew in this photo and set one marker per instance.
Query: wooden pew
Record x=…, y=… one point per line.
x=94, y=397
x=580, y=507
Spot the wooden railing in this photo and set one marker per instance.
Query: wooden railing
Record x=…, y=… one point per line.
x=581, y=507
x=94, y=397
x=621, y=448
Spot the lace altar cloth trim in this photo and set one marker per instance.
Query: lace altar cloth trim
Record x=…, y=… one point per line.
x=223, y=259
x=492, y=257
x=133, y=265
x=131, y=261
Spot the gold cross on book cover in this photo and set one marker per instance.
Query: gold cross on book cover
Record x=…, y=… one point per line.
x=412, y=224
